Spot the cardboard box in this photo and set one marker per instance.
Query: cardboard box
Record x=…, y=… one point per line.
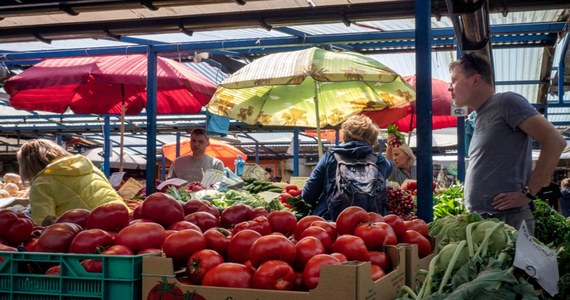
x=351, y=280
x=414, y=262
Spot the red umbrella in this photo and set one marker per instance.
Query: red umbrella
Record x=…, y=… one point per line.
x=108, y=85
x=405, y=117
x=100, y=85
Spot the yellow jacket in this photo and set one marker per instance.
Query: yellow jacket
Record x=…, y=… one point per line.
x=68, y=183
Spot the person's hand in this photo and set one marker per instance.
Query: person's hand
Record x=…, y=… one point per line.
x=504, y=201
x=390, y=140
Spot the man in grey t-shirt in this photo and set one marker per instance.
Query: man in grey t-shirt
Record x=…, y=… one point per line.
x=499, y=181
x=192, y=167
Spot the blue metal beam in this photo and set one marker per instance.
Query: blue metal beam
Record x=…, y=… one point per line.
x=151, y=121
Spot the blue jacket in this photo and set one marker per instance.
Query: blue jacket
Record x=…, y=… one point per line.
x=321, y=182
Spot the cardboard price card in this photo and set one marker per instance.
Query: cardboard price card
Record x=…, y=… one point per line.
x=130, y=189
x=537, y=261
x=299, y=181
x=254, y=171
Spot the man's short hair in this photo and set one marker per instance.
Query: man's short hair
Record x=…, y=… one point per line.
x=472, y=63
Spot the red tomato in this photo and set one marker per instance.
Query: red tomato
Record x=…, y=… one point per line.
x=53, y=271
x=379, y=258
x=229, y=275
x=201, y=262
x=274, y=275
x=259, y=212
x=31, y=244
x=92, y=265
x=291, y=187
x=204, y=220
x=57, y=237
x=414, y=237
x=304, y=223
x=312, y=269
x=118, y=250
x=282, y=221
x=77, y=215
x=306, y=248
x=109, y=217
x=284, y=196
x=418, y=225
x=156, y=252
x=373, y=235
x=319, y=233
x=389, y=234
x=15, y=228
x=181, y=225
x=349, y=218
x=271, y=247
x=182, y=244
x=165, y=291
x=240, y=244
x=339, y=256
x=375, y=217
x=329, y=227
x=351, y=246
x=91, y=241
x=259, y=224
x=236, y=213
x=194, y=205
x=294, y=193
x=140, y=236
x=163, y=209
x=217, y=239
x=376, y=272
x=396, y=223
x=137, y=213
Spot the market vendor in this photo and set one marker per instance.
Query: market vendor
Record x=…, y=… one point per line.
x=403, y=159
x=192, y=167
x=61, y=181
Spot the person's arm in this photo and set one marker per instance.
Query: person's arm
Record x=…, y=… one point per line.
x=552, y=143
x=41, y=200
x=389, y=148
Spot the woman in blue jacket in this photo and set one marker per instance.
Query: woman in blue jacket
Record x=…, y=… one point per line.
x=360, y=135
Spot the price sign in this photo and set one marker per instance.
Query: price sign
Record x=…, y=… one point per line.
x=255, y=171
x=130, y=189
x=116, y=179
x=299, y=181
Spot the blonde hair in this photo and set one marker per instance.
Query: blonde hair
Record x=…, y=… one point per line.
x=35, y=155
x=408, y=151
x=565, y=183
x=360, y=128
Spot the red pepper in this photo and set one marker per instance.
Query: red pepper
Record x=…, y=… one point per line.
x=15, y=228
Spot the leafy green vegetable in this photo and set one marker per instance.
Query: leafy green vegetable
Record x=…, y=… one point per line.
x=449, y=202
x=551, y=227
x=300, y=207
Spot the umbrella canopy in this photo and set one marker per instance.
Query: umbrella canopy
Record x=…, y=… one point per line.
x=130, y=160
x=218, y=149
x=103, y=84
x=309, y=88
x=404, y=117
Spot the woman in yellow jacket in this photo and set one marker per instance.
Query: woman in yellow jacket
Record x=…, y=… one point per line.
x=61, y=181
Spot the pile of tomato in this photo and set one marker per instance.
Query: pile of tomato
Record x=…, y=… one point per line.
x=238, y=247
x=291, y=190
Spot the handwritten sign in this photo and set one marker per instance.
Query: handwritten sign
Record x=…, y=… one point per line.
x=254, y=171
x=537, y=261
x=298, y=181
x=116, y=179
x=268, y=196
x=177, y=182
x=130, y=189
x=212, y=176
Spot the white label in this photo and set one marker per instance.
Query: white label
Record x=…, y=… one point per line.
x=116, y=179
x=458, y=111
x=172, y=181
x=212, y=176
x=537, y=261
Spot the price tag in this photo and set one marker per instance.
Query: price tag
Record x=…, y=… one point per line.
x=458, y=111
x=212, y=176
x=255, y=171
x=268, y=196
x=299, y=181
x=116, y=179
x=537, y=261
x=130, y=189
x=177, y=182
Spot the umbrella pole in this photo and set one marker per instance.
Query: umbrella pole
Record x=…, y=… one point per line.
x=122, y=129
x=319, y=142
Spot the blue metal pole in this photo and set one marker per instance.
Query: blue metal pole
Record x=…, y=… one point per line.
x=107, y=146
x=336, y=136
x=296, y=151
x=424, y=109
x=460, y=142
x=561, y=67
x=163, y=168
x=151, y=122
x=177, y=144
x=257, y=152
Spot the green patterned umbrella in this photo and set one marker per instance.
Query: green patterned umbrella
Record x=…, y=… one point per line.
x=309, y=88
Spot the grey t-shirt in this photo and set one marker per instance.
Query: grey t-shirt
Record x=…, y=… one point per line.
x=190, y=169
x=500, y=152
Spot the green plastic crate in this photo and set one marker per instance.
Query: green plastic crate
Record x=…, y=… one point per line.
x=120, y=278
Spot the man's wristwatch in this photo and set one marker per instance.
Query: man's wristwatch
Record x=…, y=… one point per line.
x=526, y=192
